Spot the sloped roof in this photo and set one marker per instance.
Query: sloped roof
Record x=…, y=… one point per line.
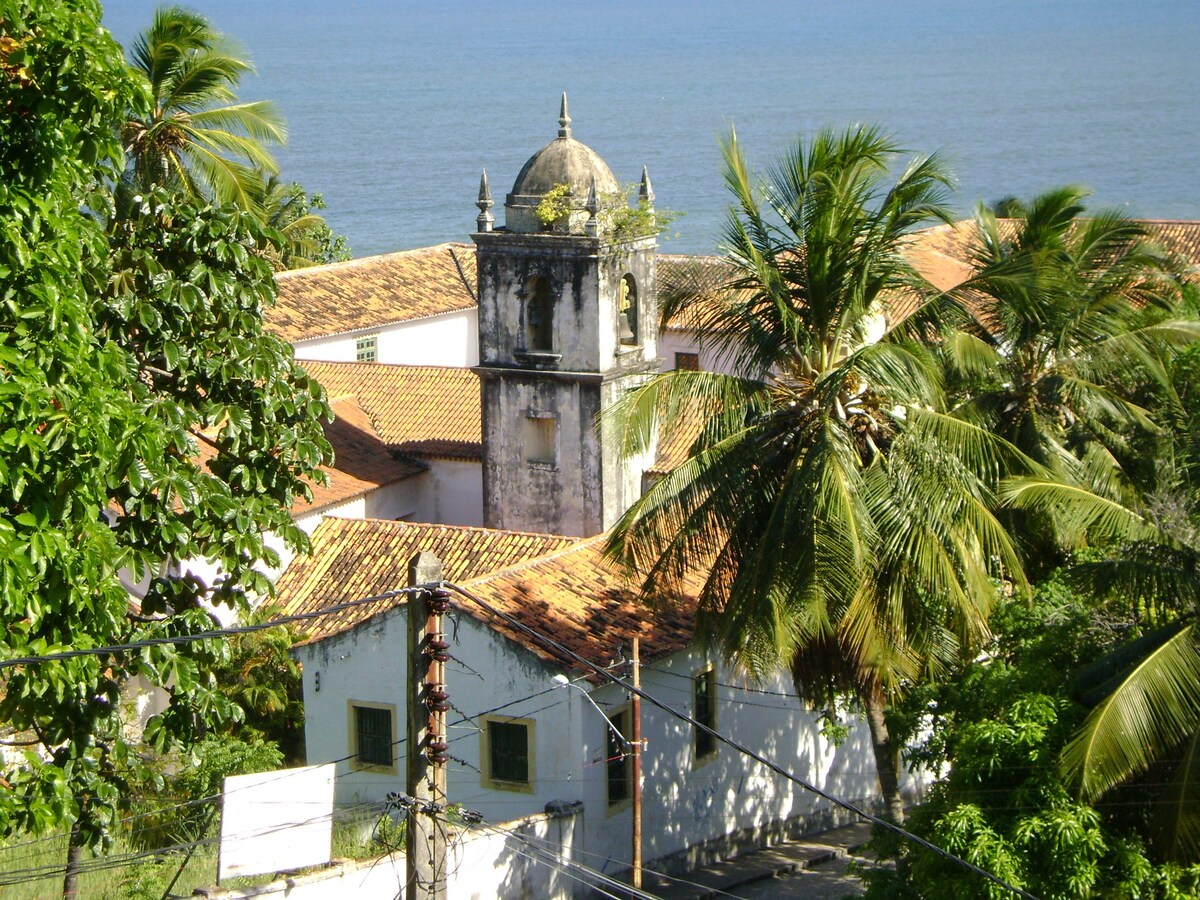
x=373, y=292
x=361, y=461
x=583, y=602
x=355, y=558
x=430, y=411
x=560, y=587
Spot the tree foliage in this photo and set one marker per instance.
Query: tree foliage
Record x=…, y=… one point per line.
x=196, y=136
x=995, y=733
x=147, y=419
x=843, y=519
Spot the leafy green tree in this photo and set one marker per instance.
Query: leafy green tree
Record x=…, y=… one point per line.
x=196, y=136
x=843, y=521
x=995, y=733
x=147, y=419
x=307, y=238
x=1143, y=698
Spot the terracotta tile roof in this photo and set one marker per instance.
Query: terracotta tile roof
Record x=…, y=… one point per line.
x=560, y=587
x=361, y=460
x=580, y=600
x=355, y=558
x=1181, y=237
x=373, y=292
x=429, y=411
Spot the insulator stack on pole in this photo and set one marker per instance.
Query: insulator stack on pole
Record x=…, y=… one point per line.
x=428, y=702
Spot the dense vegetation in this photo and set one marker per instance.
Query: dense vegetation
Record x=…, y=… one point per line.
x=890, y=481
x=147, y=418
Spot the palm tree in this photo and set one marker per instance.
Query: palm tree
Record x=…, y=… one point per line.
x=842, y=521
x=198, y=137
x=1070, y=316
x=306, y=238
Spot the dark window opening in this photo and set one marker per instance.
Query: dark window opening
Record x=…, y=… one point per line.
x=373, y=736
x=689, y=362
x=705, y=712
x=619, y=761
x=508, y=752
x=539, y=316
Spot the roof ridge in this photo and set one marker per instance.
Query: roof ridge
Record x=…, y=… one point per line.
x=579, y=544
x=365, y=260
x=381, y=366
x=399, y=523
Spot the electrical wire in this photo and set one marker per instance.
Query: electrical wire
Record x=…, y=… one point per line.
x=205, y=635
x=567, y=654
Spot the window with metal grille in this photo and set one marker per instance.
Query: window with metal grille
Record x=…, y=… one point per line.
x=687, y=361
x=704, y=711
x=373, y=736
x=508, y=753
x=366, y=349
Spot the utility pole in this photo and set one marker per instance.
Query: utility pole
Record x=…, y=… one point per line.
x=635, y=707
x=427, y=704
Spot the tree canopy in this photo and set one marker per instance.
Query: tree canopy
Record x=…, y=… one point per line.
x=147, y=419
x=843, y=519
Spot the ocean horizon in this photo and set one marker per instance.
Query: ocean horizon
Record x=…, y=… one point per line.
x=394, y=108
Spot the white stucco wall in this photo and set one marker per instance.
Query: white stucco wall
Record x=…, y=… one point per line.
x=686, y=801
x=450, y=339
x=450, y=493
x=673, y=340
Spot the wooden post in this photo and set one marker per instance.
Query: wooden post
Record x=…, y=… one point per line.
x=635, y=707
x=426, y=838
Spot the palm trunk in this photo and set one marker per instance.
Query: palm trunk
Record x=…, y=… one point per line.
x=70, y=889
x=887, y=758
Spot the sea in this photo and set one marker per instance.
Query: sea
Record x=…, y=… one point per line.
x=394, y=108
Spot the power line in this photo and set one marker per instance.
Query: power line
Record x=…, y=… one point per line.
x=567, y=654
x=204, y=635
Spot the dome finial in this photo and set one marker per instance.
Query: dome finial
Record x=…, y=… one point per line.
x=485, y=219
x=564, y=119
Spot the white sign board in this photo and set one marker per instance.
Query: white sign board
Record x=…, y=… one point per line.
x=275, y=821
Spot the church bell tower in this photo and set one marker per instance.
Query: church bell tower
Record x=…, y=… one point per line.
x=568, y=321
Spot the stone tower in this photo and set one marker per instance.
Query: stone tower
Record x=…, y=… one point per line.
x=568, y=321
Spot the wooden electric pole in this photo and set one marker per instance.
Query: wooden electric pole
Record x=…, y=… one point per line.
x=426, y=745
x=635, y=707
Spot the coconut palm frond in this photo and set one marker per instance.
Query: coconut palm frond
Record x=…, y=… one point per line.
x=1155, y=706
x=1076, y=510
x=1178, y=833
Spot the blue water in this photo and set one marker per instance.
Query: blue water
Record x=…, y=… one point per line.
x=394, y=107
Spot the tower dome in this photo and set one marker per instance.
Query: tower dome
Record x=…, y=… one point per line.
x=563, y=161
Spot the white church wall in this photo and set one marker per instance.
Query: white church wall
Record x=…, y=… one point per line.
x=451, y=493
x=718, y=800
x=450, y=339
x=366, y=666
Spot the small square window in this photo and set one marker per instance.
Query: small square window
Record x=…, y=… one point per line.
x=704, y=711
x=366, y=349
x=619, y=759
x=508, y=753
x=373, y=737
x=541, y=440
x=689, y=362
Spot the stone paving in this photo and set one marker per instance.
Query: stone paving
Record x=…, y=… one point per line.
x=814, y=867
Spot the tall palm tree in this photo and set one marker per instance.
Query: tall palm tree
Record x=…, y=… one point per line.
x=842, y=521
x=198, y=137
x=1070, y=316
